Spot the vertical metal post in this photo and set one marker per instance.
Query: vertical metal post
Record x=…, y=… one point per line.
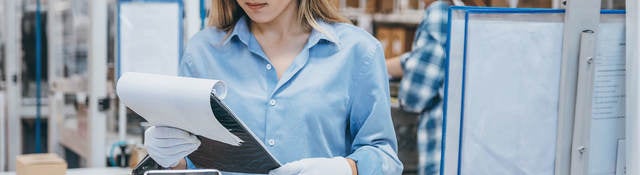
x=2, y=134
x=97, y=70
x=582, y=121
x=12, y=69
x=632, y=141
x=3, y=118
x=55, y=44
x=122, y=109
x=556, y=4
x=192, y=13
x=581, y=15
x=38, y=78
x=203, y=13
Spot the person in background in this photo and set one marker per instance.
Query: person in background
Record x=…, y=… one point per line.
x=421, y=87
x=311, y=86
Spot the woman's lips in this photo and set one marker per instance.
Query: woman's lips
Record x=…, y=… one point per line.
x=256, y=6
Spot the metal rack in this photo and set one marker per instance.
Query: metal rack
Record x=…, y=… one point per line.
x=63, y=44
x=13, y=97
x=401, y=13
x=574, y=147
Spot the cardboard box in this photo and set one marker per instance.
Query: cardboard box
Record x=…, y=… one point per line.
x=137, y=154
x=386, y=6
x=398, y=41
x=395, y=40
x=414, y=4
x=534, y=4
x=353, y=3
x=410, y=34
x=383, y=34
x=372, y=6
x=37, y=164
x=523, y=3
x=499, y=3
x=475, y=2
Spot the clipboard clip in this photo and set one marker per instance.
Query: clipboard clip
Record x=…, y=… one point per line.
x=145, y=165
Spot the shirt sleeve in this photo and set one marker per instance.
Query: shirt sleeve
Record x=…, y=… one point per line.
x=374, y=144
x=423, y=67
x=184, y=69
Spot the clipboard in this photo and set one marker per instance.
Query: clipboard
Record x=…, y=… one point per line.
x=227, y=144
x=250, y=157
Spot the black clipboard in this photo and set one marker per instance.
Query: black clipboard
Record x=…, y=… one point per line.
x=250, y=157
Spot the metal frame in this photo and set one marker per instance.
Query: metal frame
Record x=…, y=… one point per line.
x=556, y=4
x=91, y=148
x=2, y=132
x=59, y=135
x=192, y=24
x=54, y=72
x=582, y=121
x=180, y=30
x=192, y=15
x=580, y=16
x=97, y=70
x=12, y=73
x=3, y=118
x=632, y=88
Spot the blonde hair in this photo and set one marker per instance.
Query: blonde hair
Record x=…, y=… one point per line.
x=225, y=13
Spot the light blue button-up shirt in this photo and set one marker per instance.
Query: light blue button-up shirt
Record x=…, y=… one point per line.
x=333, y=100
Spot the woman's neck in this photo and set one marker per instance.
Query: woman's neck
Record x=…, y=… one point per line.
x=285, y=24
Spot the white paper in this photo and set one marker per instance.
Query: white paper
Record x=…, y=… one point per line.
x=178, y=102
x=608, y=104
x=150, y=37
x=507, y=128
x=511, y=89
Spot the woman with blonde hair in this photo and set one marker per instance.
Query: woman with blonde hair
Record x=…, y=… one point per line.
x=311, y=86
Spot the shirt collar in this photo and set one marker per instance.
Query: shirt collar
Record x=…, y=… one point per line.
x=241, y=32
x=325, y=32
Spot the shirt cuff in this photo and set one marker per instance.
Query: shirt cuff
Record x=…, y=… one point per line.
x=366, y=161
x=190, y=164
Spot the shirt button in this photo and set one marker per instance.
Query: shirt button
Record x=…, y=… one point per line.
x=271, y=142
x=269, y=67
x=272, y=102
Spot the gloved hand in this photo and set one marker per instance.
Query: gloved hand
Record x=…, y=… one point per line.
x=167, y=145
x=315, y=166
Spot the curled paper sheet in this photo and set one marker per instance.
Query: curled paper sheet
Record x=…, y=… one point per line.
x=179, y=102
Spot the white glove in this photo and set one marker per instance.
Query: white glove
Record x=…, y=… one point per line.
x=167, y=145
x=315, y=166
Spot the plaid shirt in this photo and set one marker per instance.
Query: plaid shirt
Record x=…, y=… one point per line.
x=421, y=88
